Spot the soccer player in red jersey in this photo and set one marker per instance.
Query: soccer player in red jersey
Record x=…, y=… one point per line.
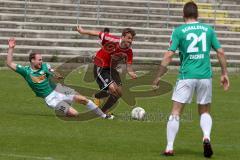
x=114, y=49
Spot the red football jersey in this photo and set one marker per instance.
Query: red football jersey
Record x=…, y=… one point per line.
x=111, y=52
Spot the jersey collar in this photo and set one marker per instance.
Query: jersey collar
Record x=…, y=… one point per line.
x=192, y=22
x=35, y=70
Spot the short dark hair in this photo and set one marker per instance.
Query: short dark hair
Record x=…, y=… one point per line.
x=106, y=30
x=32, y=56
x=190, y=10
x=128, y=30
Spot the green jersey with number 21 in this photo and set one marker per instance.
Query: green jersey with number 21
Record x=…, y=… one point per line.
x=194, y=41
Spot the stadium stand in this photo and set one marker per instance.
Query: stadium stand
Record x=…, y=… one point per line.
x=48, y=26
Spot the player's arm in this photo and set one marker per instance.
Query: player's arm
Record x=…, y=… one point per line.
x=54, y=73
x=11, y=45
x=87, y=32
x=167, y=58
x=129, y=61
x=223, y=63
x=131, y=72
x=222, y=60
x=57, y=75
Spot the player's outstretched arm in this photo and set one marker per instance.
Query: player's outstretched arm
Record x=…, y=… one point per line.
x=11, y=45
x=131, y=72
x=167, y=58
x=56, y=74
x=223, y=63
x=87, y=32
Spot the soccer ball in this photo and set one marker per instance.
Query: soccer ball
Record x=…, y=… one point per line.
x=138, y=113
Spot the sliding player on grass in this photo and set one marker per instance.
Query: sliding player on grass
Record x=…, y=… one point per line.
x=38, y=75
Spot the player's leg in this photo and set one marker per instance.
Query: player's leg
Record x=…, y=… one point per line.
x=99, y=96
x=115, y=94
x=102, y=77
x=204, y=98
x=206, y=126
x=64, y=109
x=205, y=120
x=72, y=112
x=89, y=104
x=182, y=94
x=69, y=95
x=115, y=90
x=173, y=126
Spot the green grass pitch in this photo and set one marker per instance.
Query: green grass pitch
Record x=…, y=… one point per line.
x=29, y=130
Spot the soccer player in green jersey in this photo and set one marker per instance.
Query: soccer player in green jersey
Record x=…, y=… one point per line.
x=194, y=41
x=38, y=75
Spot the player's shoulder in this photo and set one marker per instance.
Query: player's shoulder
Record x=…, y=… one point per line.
x=177, y=30
x=111, y=38
x=192, y=26
x=26, y=67
x=210, y=27
x=45, y=66
x=180, y=27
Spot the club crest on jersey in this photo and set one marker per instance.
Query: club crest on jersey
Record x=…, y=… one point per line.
x=38, y=79
x=41, y=72
x=110, y=47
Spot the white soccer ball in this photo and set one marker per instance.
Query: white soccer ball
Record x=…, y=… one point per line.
x=138, y=113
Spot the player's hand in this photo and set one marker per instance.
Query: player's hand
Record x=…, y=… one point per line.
x=80, y=29
x=225, y=82
x=11, y=43
x=133, y=75
x=58, y=76
x=155, y=84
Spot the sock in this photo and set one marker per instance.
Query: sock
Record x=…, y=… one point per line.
x=172, y=129
x=92, y=106
x=101, y=94
x=109, y=103
x=206, y=125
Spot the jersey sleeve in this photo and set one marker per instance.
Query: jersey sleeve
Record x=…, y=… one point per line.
x=106, y=37
x=215, y=42
x=49, y=69
x=21, y=70
x=101, y=36
x=174, y=42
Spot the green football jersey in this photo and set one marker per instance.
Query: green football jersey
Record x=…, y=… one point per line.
x=38, y=80
x=194, y=42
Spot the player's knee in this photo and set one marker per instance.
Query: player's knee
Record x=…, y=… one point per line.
x=72, y=112
x=112, y=90
x=115, y=94
x=62, y=108
x=173, y=117
x=119, y=93
x=80, y=99
x=204, y=109
x=115, y=90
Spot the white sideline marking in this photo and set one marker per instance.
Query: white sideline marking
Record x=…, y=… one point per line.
x=26, y=156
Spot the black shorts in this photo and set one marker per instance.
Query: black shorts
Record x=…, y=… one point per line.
x=106, y=76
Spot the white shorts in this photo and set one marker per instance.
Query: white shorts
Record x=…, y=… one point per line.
x=184, y=90
x=55, y=98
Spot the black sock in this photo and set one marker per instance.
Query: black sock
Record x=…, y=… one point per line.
x=101, y=94
x=109, y=103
